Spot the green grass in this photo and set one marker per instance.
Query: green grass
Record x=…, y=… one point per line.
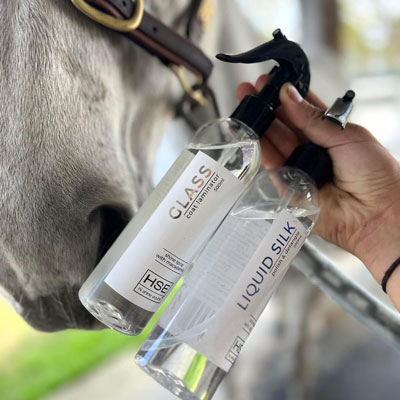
x=43, y=362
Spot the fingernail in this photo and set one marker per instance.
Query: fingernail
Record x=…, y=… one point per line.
x=294, y=94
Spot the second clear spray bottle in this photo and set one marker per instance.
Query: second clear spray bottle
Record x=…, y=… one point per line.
x=202, y=331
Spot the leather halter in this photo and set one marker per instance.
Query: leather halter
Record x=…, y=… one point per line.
x=151, y=34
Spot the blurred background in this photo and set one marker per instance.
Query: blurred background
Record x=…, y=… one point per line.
x=351, y=44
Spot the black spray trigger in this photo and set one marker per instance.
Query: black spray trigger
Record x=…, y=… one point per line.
x=288, y=54
x=258, y=110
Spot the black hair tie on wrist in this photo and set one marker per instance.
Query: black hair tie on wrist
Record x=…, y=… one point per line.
x=388, y=273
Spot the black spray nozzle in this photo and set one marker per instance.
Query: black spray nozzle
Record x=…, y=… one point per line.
x=258, y=111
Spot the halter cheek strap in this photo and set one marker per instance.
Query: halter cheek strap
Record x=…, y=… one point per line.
x=152, y=35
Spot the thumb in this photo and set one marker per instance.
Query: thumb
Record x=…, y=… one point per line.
x=308, y=118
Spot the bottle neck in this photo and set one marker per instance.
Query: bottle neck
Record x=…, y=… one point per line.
x=258, y=111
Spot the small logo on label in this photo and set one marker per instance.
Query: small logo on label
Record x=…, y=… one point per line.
x=239, y=341
x=235, y=349
x=153, y=286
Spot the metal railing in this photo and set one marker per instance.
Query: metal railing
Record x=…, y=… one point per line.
x=348, y=294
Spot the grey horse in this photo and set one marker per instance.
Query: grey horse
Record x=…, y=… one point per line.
x=82, y=112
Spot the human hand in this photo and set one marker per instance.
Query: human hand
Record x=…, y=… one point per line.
x=360, y=209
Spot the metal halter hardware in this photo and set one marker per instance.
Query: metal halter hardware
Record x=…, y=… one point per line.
x=131, y=24
x=195, y=94
x=119, y=25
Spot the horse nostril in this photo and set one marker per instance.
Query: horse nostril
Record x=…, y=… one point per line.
x=113, y=221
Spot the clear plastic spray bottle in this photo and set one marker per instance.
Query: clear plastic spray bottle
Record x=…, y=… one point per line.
x=203, y=329
x=147, y=259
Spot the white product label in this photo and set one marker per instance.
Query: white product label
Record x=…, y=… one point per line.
x=187, y=216
x=234, y=321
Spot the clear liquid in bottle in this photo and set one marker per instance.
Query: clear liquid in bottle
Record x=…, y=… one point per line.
x=202, y=331
x=236, y=150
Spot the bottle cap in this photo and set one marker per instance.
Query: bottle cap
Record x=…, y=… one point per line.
x=340, y=111
x=314, y=160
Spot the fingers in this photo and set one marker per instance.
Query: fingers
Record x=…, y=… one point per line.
x=316, y=101
x=307, y=118
x=279, y=141
x=277, y=145
x=247, y=88
x=244, y=89
x=283, y=138
x=262, y=81
x=300, y=120
x=271, y=155
x=313, y=99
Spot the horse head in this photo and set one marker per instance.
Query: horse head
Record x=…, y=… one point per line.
x=81, y=113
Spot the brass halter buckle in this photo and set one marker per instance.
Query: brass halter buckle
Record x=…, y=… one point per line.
x=125, y=25
x=129, y=25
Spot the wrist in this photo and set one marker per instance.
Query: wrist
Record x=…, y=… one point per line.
x=379, y=249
